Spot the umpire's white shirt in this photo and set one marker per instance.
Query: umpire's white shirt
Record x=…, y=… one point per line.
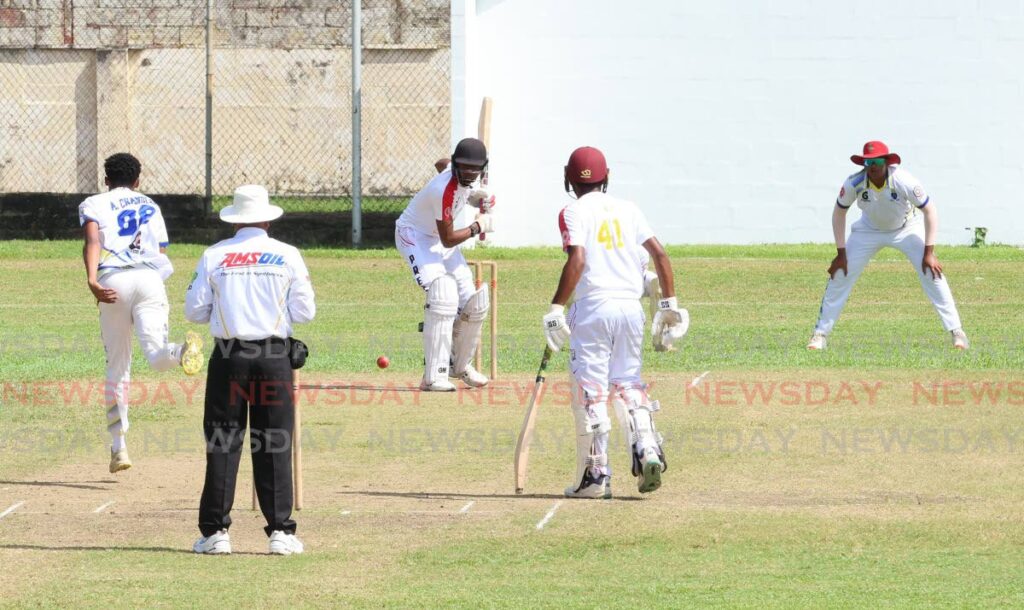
x=250, y=287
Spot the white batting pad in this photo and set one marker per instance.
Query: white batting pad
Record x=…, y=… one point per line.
x=468, y=326
x=438, y=318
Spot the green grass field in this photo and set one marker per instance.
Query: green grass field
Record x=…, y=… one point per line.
x=885, y=472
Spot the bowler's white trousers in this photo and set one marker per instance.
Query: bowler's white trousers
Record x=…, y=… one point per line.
x=862, y=244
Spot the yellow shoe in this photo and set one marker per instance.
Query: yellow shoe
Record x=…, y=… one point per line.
x=119, y=461
x=192, y=353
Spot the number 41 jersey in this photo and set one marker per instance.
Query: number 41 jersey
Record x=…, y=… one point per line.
x=612, y=233
x=132, y=230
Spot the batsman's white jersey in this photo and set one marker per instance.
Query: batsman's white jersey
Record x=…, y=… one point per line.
x=887, y=208
x=606, y=319
x=443, y=198
x=132, y=232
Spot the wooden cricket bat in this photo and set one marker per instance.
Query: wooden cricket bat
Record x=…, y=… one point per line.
x=522, y=456
x=483, y=133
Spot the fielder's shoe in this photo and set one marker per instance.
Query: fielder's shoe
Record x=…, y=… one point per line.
x=817, y=341
x=650, y=473
x=285, y=544
x=215, y=544
x=472, y=377
x=960, y=339
x=192, y=353
x=119, y=460
x=591, y=488
x=439, y=385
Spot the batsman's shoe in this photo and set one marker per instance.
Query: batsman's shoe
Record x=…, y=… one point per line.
x=215, y=544
x=817, y=341
x=438, y=385
x=960, y=339
x=472, y=377
x=192, y=353
x=591, y=488
x=651, y=468
x=285, y=544
x=119, y=460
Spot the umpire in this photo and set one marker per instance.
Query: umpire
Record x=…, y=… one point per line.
x=250, y=289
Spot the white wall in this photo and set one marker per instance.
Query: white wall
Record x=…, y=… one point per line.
x=732, y=121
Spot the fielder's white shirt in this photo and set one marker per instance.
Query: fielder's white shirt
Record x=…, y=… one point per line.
x=132, y=230
x=887, y=208
x=250, y=287
x=443, y=198
x=612, y=232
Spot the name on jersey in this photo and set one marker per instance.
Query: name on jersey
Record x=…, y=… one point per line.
x=244, y=259
x=121, y=204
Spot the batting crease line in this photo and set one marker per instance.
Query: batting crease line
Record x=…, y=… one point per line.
x=465, y=509
x=547, y=517
x=103, y=507
x=11, y=509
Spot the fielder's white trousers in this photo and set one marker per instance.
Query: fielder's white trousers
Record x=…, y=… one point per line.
x=605, y=347
x=142, y=304
x=862, y=244
x=428, y=260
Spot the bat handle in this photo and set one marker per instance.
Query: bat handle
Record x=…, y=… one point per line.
x=484, y=209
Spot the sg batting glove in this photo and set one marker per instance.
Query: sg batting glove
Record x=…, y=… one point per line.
x=481, y=198
x=556, y=330
x=670, y=324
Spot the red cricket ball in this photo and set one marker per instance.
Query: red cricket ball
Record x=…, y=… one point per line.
x=383, y=362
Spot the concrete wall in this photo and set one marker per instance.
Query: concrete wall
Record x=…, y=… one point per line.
x=733, y=121
x=96, y=78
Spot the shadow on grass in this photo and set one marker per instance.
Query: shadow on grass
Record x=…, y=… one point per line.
x=441, y=495
x=82, y=485
x=130, y=549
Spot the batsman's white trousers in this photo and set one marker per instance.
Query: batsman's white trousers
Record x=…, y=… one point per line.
x=605, y=345
x=862, y=244
x=429, y=259
x=142, y=303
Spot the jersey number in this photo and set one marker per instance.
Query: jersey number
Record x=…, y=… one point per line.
x=128, y=223
x=604, y=235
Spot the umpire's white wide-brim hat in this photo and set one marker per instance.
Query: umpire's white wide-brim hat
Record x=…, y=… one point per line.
x=251, y=205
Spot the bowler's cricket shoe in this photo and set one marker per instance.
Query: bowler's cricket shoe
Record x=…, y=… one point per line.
x=192, y=353
x=817, y=342
x=472, y=377
x=651, y=467
x=218, y=543
x=119, y=460
x=960, y=339
x=285, y=544
x=591, y=488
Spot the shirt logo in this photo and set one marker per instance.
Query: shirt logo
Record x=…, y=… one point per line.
x=245, y=259
x=918, y=192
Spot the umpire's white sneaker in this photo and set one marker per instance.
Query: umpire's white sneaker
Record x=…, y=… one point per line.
x=215, y=544
x=439, y=385
x=817, y=341
x=472, y=377
x=285, y=544
x=960, y=339
x=119, y=460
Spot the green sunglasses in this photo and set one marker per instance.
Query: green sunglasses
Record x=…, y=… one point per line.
x=878, y=161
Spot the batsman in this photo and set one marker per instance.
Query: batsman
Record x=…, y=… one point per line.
x=603, y=237
x=426, y=236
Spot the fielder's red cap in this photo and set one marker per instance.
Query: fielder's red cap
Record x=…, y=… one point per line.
x=586, y=166
x=875, y=149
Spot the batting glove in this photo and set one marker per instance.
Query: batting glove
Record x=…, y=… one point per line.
x=670, y=324
x=481, y=198
x=486, y=222
x=556, y=330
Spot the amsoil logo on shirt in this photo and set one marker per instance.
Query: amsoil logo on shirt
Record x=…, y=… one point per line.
x=245, y=259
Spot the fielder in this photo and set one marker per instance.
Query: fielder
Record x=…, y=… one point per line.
x=125, y=266
x=603, y=237
x=895, y=212
x=426, y=237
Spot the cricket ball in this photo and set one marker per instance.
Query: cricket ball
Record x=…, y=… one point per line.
x=383, y=362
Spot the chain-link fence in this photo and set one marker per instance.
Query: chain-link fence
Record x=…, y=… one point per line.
x=80, y=80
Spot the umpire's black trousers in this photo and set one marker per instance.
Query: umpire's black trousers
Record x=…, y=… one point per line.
x=248, y=379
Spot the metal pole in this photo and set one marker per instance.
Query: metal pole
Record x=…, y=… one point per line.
x=209, y=107
x=357, y=126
